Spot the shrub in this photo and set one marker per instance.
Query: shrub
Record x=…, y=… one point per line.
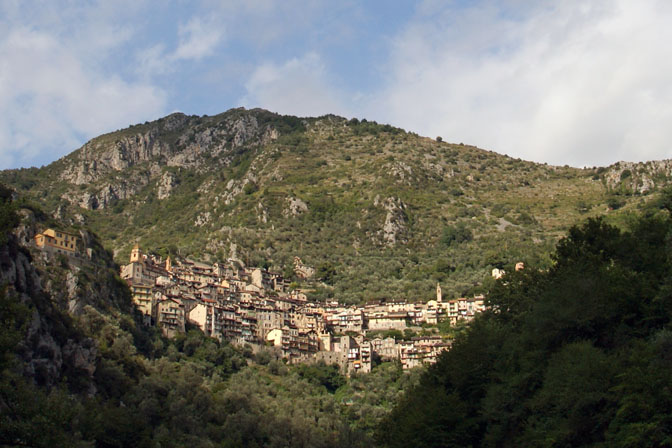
x=459, y=233
x=8, y=217
x=615, y=202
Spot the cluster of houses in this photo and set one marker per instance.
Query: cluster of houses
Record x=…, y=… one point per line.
x=248, y=305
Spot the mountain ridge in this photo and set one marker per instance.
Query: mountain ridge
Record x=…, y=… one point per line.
x=379, y=204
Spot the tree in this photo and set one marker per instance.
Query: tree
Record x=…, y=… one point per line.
x=8, y=216
x=456, y=234
x=326, y=272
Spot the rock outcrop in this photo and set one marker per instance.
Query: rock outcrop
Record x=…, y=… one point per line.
x=51, y=348
x=295, y=207
x=108, y=194
x=395, y=228
x=166, y=183
x=53, y=288
x=177, y=140
x=639, y=178
x=99, y=157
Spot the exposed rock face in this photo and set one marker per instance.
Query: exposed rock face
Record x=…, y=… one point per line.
x=177, y=140
x=295, y=207
x=401, y=171
x=262, y=213
x=301, y=270
x=244, y=130
x=167, y=182
x=638, y=177
x=202, y=219
x=55, y=287
x=270, y=135
x=46, y=353
x=87, y=201
x=432, y=167
x=108, y=194
x=98, y=157
x=235, y=187
x=396, y=222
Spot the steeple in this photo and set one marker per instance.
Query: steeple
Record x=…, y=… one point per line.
x=438, y=293
x=136, y=254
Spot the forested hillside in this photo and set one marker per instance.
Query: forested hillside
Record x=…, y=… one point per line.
x=577, y=355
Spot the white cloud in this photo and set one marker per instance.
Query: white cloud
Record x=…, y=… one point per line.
x=300, y=87
x=152, y=61
x=198, y=39
x=265, y=22
x=51, y=99
x=575, y=82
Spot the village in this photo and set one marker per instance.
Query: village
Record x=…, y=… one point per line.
x=253, y=306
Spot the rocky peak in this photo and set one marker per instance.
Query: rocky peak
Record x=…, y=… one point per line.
x=173, y=122
x=99, y=157
x=156, y=142
x=177, y=140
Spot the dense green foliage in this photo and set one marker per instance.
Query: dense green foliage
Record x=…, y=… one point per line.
x=196, y=392
x=8, y=217
x=578, y=355
x=191, y=391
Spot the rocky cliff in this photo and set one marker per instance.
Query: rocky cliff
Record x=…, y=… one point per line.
x=640, y=178
x=56, y=291
x=174, y=141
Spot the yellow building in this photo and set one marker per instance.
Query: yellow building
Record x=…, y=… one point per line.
x=142, y=296
x=58, y=241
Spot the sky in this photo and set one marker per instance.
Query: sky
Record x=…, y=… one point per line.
x=577, y=82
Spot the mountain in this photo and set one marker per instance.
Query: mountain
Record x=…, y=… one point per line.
x=385, y=212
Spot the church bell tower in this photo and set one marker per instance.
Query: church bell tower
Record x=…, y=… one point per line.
x=136, y=254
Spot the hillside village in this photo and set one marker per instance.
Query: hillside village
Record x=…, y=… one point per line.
x=250, y=305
